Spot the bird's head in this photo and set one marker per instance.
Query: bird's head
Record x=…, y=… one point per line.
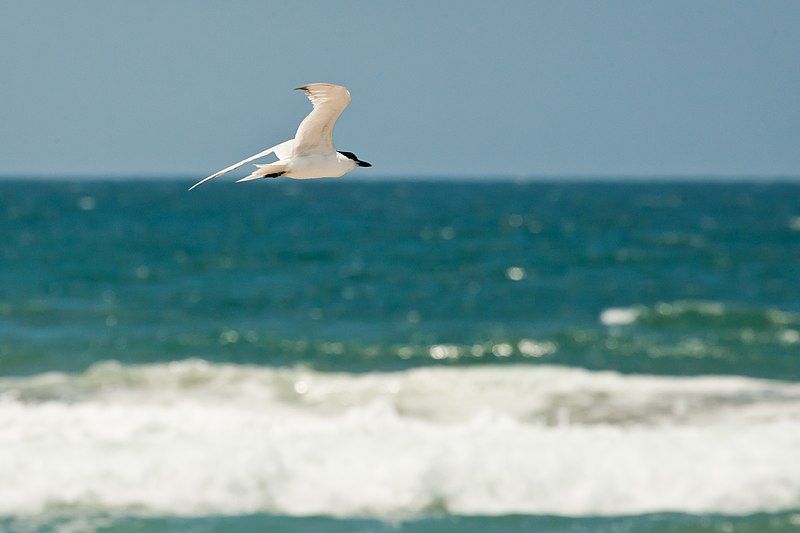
x=351, y=156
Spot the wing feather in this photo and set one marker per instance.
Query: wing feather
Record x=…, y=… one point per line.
x=315, y=133
x=280, y=149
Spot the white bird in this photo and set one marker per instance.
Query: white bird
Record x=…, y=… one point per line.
x=310, y=154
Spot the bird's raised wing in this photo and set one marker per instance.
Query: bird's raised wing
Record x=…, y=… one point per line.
x=315, y=133
x=282, y=150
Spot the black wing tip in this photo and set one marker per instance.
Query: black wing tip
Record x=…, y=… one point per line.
x=301, y=88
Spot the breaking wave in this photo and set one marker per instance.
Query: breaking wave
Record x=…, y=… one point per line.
x=192, y=438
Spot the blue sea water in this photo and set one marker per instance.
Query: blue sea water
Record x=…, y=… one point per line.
x=417, y=355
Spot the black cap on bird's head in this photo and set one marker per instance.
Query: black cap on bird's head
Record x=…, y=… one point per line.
x=352, y=156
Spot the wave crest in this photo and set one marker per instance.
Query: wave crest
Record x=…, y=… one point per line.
x=193, y=438
x=698, y=313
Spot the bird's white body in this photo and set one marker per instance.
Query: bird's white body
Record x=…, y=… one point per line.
x=310, y=154
x=318, y=166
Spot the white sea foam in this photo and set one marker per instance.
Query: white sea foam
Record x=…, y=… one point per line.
x=619, y=316
x=192, y=438
x=694, y=309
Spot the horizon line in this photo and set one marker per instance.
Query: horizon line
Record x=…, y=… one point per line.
x=482, y=178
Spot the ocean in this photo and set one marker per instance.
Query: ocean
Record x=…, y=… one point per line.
x=399, y=355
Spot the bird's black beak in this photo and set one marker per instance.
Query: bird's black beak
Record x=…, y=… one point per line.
x=363, y=164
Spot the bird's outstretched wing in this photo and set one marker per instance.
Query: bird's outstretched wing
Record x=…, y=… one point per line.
x=282, y=150
x=315, y=133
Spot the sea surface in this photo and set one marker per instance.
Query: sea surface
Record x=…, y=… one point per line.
x=399, y=355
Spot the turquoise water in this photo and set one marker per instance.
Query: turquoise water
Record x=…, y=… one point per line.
x=442, y=355
x=658, y=523
x=142, y=272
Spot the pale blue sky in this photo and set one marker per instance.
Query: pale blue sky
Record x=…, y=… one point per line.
x=472, y=88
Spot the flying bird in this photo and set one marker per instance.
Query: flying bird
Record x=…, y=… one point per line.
x=310, y=154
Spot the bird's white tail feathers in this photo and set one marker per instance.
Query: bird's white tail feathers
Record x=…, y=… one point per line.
x=263, y=171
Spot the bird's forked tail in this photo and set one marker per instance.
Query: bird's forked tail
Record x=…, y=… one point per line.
x=272, y=170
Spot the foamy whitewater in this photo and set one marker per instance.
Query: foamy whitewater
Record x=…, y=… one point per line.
x=195, y=439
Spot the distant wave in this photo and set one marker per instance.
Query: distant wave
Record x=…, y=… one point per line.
x=699, y=313
x=192, y=438
x=668, y=338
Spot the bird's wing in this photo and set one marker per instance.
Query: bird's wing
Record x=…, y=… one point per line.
x=280, y=149
x=285, y=149
x=315, y=133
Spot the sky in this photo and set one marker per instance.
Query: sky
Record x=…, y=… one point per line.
x=448, y=88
